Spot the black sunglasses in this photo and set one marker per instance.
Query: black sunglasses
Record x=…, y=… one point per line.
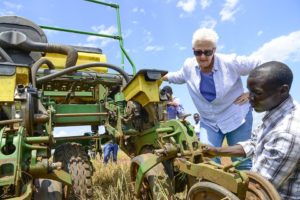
x=207, y=52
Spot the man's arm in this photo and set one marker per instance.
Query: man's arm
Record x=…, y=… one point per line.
x=236, y=150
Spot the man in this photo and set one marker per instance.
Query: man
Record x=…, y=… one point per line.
x=109, y=149
x=174, y=107
x=275, y=145
x=197, y=124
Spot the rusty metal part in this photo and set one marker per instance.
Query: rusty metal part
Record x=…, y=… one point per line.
x=209, y=191
x=260, y=188
x=10, y=121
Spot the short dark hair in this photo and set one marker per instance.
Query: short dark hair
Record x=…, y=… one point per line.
x=168, y=89
x=196, y=114
x=280, y=74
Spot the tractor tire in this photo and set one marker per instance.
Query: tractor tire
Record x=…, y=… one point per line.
x=47, y=189
x=160, y=184
x=260, y=188
x=209, y=191
x=156, y=184
x=75, y=161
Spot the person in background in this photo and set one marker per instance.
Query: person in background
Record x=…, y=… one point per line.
x=174, y=107
x=274, y=145
x=110, y=149
x=214, y=83
x=196, y=117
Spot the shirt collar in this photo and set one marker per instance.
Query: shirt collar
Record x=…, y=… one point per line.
x=279, y=111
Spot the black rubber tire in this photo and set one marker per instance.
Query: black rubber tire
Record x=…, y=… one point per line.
x=209, y=191
x=75, y=160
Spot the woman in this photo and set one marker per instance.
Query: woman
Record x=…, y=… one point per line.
x=214, y=83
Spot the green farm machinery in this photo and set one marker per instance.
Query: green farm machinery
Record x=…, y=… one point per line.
x=43, y=86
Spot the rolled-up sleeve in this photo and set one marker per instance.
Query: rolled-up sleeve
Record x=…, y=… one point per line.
x=278, y=159
x=245, y=64
x=176, y=77
x=248, y=146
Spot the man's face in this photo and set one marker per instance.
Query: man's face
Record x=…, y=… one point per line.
x=204, y=53
x=196, y=118
x=262, y=96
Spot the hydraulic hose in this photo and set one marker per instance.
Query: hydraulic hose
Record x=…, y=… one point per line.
x=74, y=68
x=4, y=55
x=18, y=40
x=35, y=67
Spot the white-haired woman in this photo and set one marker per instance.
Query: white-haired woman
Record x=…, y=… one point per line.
x=214, y=83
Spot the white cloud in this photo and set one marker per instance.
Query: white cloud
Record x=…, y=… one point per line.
x=50, y=32
x=286, y=47
x=260, y=33
x=6, y=12
x=9, y=8
x=205, y=3
x=147, y=36
x=187, y=5
x=126, y=33
x=71, y=131
x=168, y=1
x=60, y=133
x=208, y=22
x=154, y=48
x=140, y=10
x=180, y=47
x=13, y=6
x=229, y=10
x=88, y=44
x=111, y=30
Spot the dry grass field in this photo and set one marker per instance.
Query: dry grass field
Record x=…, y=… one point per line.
x=112, y=181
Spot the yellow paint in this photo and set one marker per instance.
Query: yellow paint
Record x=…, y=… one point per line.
x=142, y=91
x=59, y=60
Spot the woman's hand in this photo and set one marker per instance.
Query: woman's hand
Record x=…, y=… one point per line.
x=244, y=98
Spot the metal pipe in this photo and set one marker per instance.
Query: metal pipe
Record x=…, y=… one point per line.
x=129, y=60
x=80, y=114
x=116, y=37
x=76, y=138
x=165, y=129
x=104, y=3
x=78, y=67
x=10, y=121
x=40, y=139
x=28, y=146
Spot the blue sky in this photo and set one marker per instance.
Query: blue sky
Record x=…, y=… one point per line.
x=157, y=33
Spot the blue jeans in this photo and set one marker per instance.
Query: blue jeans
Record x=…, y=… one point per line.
x=110, y=148
x=242, y=133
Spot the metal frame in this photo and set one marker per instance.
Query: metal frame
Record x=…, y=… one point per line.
x=115, y=37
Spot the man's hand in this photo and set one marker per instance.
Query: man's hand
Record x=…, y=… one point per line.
x=209, y=151
x=244, y=98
